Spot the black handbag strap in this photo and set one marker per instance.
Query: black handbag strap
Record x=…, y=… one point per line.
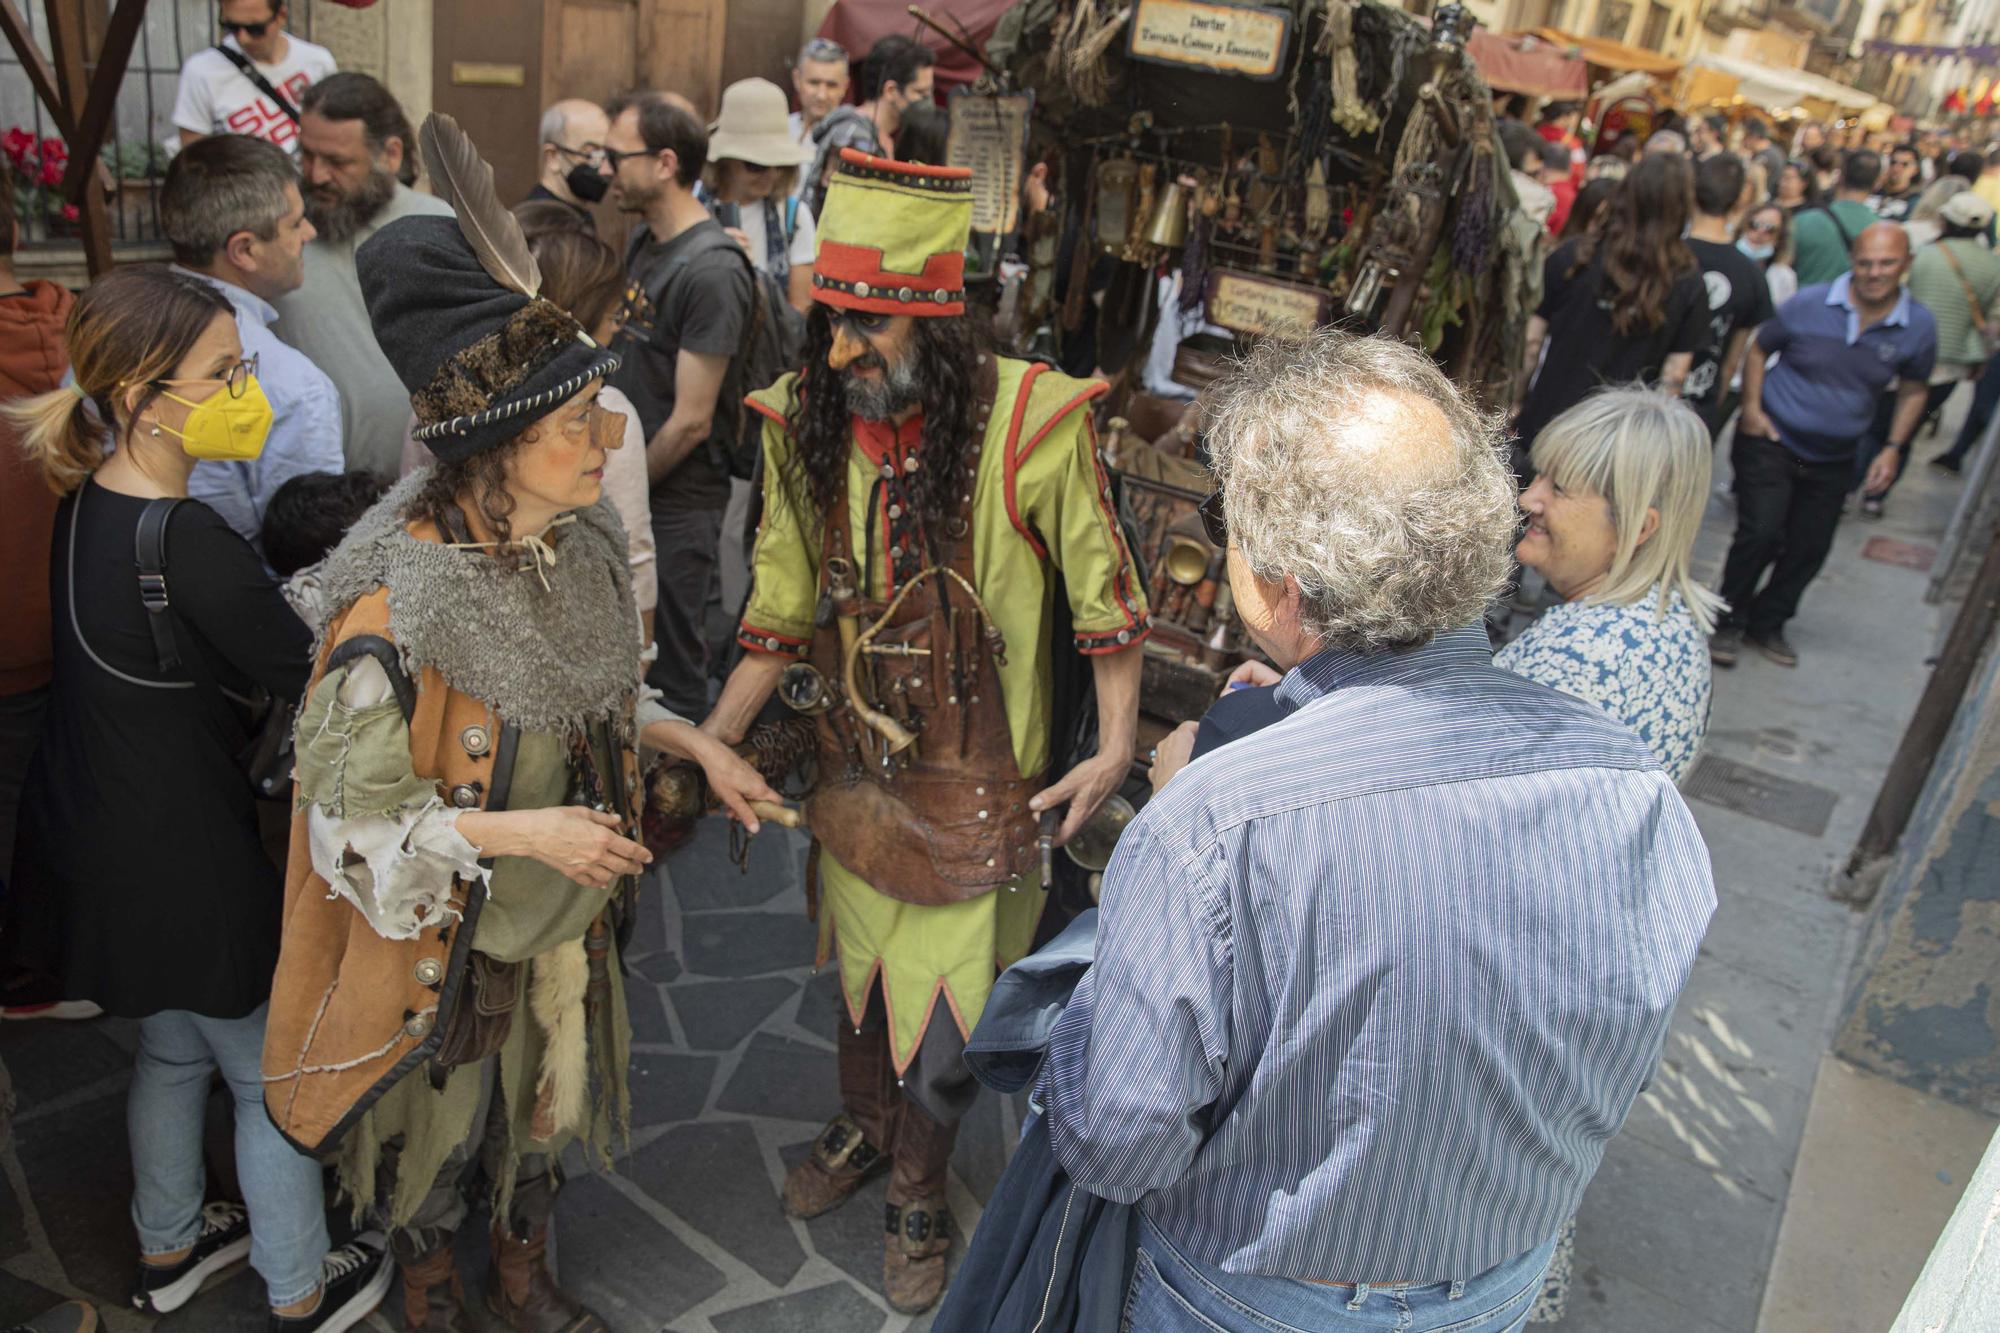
x=149, y=543
x=256, y=76
x=150, y=547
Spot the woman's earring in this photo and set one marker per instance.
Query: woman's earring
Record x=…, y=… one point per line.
x=155, y=431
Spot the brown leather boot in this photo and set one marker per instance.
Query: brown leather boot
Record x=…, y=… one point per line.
x=523, y=1292
x=433, y=1296
x=841, y=1160
x=918, y=1231
x=914, y=1244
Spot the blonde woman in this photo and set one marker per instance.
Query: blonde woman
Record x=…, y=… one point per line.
x=1620, y=483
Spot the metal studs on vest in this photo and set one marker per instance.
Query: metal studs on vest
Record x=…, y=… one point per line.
x=466, y=795
x=911, y=464
x=888, y=472
x=420, y=1026
x=429, y=971
x=477, y=740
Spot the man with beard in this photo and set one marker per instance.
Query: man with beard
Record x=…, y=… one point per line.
x=353, y=142
x=924, y=501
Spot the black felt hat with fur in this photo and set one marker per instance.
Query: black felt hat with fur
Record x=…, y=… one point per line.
x=456, y=309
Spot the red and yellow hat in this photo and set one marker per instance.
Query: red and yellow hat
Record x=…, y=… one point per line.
x=892, y=237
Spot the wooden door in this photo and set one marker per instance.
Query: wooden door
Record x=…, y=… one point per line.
x=590, y=49
x=761, y=40
x=680, y=48
x=487, y=73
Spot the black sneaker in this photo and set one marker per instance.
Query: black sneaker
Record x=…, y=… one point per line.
x=224, y=1239
x=1774, y=646
x=1946, y=463
x=1724, y=646
x=357, y=1277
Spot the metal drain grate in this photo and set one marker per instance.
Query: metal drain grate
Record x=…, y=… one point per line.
x=1799, y=806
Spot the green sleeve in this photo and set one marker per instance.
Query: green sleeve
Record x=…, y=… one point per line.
x=784, y=577
x=1064, y=496
x=354, y=762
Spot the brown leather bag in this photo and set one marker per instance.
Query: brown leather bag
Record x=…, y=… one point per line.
x=477, y=1025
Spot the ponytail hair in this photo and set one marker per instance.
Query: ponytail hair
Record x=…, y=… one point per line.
x=133, y=326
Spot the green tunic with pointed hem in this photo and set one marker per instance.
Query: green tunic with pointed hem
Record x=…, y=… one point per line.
x=1040, y=501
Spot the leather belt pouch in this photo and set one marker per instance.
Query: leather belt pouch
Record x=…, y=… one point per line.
x=478, y=1023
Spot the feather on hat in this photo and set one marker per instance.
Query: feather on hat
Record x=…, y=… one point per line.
x=457, y=309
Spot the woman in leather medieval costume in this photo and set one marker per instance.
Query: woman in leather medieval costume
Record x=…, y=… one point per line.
x=464, y=861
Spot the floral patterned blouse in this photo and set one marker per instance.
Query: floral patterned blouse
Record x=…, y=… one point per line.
x=1649, y=672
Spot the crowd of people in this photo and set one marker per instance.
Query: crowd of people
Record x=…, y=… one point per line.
x=1817, y=310
x=436, y=507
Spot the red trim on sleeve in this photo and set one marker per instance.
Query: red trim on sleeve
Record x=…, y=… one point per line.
x=1096, y=389
x=1135, y=626
x=1013, y=462
x=767, y=411
x=761, y=641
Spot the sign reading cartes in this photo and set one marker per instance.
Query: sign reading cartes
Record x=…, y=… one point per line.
x=1228, y=39
x=1247, y=303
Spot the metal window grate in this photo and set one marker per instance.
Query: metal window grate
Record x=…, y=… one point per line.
x=1799, y=806
x=140, y=144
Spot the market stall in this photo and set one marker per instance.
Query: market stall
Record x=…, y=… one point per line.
x=1333, y=161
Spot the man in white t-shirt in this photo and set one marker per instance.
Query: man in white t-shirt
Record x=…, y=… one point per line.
x=229, y=89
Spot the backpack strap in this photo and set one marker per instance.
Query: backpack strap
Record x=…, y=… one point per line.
x=384, y=652
x=1846, y=236
x=256, y=76
x=150, y=548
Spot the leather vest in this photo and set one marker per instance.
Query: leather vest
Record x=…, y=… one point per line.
x=947, y=818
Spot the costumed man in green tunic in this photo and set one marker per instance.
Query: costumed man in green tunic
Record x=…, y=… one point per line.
x=925, y=502
x=448, y=1001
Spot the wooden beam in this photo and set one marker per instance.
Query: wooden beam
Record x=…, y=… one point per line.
x=66, y=42
x=15, y=25
x=93, y=119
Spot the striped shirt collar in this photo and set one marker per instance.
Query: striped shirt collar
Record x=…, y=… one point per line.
x=1333, y=668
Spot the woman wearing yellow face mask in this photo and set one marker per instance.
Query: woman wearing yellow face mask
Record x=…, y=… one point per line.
x=140, y=882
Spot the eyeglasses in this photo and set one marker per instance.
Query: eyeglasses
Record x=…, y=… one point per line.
x=247, y=29
x=613, y=158
x=593, y=153
x=1213, y=522
x=1766, y=227
x=236, y=378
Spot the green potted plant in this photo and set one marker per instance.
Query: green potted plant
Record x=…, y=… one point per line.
x=137, y=168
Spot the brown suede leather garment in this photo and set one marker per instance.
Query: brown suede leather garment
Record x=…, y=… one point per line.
x=348, y=1007
x=951, y=820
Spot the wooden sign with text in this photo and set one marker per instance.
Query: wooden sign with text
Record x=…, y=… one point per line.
x=1252, y=303
x=1227, y=39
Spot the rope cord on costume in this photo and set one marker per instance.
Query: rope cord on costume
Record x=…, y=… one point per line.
x=541, y=557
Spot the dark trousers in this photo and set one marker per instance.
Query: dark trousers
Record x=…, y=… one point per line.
x=1786, y=513
x=1985, y=399
x=1877, y=437
x=686, y=540
x=20, y=734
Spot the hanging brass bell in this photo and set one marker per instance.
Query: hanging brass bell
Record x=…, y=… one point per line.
x=1168, y=227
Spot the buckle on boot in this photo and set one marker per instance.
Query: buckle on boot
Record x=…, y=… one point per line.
x=842, y=1147
x=917, y=1226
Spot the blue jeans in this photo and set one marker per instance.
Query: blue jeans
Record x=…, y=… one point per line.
x=281, y=1186
x=1172, y=1293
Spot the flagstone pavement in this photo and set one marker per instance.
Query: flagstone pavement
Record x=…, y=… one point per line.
x=732, y=1076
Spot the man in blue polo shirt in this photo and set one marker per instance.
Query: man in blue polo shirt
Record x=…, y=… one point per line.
x=1843, y=343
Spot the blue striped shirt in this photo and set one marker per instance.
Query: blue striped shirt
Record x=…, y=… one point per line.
x=1375, y=984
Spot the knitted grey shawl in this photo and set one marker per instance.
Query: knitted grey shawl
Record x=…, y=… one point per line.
x=551, y=659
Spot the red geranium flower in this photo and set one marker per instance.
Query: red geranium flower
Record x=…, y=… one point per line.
x=70, y=213
x=52, y=170
x=16, y=144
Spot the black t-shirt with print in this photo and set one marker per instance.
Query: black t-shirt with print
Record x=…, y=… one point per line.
x=704, y=307
x=1739, y=297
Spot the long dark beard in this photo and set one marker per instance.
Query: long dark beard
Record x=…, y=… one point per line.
x=942, y=364
x=338, y=223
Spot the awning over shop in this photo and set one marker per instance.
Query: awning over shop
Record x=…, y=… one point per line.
x=1607, y=54
x=859, y=24
x=1775, y=89
x=1520, y=62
